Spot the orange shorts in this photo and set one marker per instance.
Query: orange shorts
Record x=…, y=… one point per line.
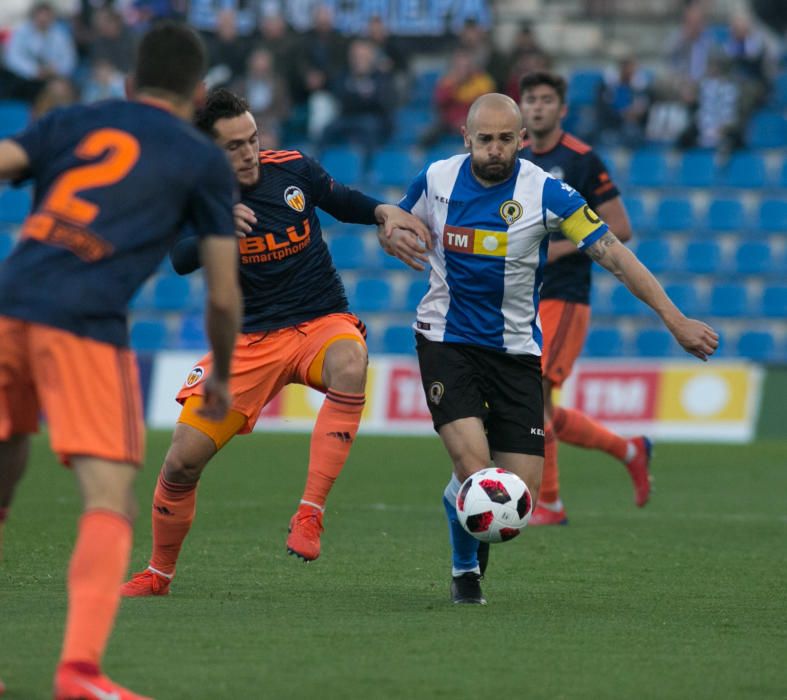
x=263, y=364
x=87, y=390
x=564, y=326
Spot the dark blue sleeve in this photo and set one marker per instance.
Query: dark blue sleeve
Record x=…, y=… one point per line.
x=212, y=197
x=35, y=140
x=341, y=202
x=185, y=254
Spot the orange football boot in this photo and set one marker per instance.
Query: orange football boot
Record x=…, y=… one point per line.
x=71, y=684
x=639, y=470
x=144, y=583
x=545, y=516
x=305, y=529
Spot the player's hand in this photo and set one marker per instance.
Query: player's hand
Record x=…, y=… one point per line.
x=216, y=401
x=392, y=217
x=404, y=245
x=244, y=219
x=696, y=337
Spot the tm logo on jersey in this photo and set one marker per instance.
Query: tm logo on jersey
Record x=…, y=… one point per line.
x=475, y=241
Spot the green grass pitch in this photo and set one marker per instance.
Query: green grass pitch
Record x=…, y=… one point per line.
x=683, y=599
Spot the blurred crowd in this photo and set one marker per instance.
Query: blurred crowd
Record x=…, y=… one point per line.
x=313, y=76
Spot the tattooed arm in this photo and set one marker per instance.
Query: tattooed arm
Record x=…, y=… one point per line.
x=695, y=337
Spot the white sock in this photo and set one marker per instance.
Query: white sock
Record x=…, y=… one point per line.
x=313, y=505
x=456, y=572
x=452, y=489
x=161, y=573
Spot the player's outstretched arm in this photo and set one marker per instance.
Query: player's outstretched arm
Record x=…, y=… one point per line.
x=222, y=319
x=405, y=246
x=695, y=337
x=13, y=160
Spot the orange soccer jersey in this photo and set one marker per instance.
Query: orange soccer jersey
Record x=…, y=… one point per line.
x=564, y=325
x=263, y=364
x=88, y=391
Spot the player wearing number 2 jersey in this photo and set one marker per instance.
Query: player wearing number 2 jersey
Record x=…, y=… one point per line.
x=114, y=183
x=477, y=328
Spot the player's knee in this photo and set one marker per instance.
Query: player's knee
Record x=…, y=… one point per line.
x=346, y=367
x=469, y=464
x=181, y=469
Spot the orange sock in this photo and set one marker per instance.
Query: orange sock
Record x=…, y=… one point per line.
x=550, y=478
x=576, y=428
x=334, y=432
x=98, y=565
x=174, y=506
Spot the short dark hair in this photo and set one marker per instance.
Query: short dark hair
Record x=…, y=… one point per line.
x=221, y=104
x=172, y=58
x=555, y=81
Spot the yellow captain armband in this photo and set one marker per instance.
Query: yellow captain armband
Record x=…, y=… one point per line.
x=581, y=224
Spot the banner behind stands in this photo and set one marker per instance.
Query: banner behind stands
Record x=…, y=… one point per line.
x=682, y=400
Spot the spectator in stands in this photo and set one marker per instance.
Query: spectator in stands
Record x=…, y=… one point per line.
x=525, y=56
x=622, y=105
x=751, y=64
x=112, y=42
x=455, y=92
x=104, y=82
x=716, y=122
x=205, y=15
x=227, y=51
x=689, y=46
x=56, y=92
x=267, y=95
x=673, y=104
x=323, y=53
x=38, y=49
x=476, y=41
x=366, y=101
x=391, y=58
x=274, y=35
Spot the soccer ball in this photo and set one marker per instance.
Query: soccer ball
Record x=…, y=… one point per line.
x=494, y=505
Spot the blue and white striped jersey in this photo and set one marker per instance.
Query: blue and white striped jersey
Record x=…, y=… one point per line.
x=490, y=247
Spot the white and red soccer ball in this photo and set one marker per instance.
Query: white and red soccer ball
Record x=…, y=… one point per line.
x=494, y=505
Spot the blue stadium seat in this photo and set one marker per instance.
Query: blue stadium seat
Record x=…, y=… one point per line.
x=773, y=215
x=729, y=300
x=696, y=169
x=655, y=254
x=415, y=292
x=754, y=258
x=605, y=342
x=703, y=257
x=148, y=336
x=687, y=297
x=767, y=129
x=348, y=251
x=744, y=169
x=757, y=345
x=13, y=117
x=779, y=95
x=600, y=296
x=6, y=244
x=371, y=294
x=343, y=164
x=654, y=342
x=583, y=86
x=422, y=90
x=393, y=167
x=624, y=303
x=774, y=301
x=726, y=215
x=783, y=176
x=14, y=205
x=640, y=221
x=192, y=333
x=409, y=123
x=675, y=214
x=648, y=169
x=171, y=293
x=399, y=340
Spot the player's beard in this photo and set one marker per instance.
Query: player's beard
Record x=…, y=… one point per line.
x=497, y=171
